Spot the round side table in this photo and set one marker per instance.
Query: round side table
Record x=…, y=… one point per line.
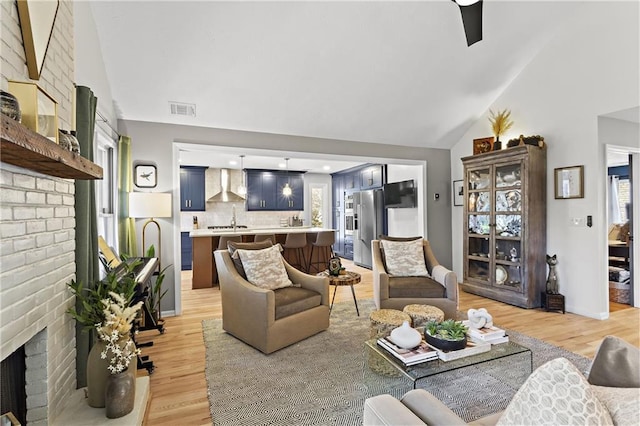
x=350, y=278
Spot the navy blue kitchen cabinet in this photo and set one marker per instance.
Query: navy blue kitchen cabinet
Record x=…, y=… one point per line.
x=192, y=188
x=264, y=190
x=186, y=250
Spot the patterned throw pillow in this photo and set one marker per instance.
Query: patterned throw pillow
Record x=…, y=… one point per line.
x=264, y=268
x=556, y=393
x=405, y=258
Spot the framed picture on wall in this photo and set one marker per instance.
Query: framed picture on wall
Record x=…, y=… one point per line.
x=569, y=182
x=458, y=192
x=145, y=176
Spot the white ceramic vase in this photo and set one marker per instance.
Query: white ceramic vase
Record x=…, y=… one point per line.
x=405, y=336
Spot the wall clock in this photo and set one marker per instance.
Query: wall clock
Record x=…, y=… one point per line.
x=145, y=176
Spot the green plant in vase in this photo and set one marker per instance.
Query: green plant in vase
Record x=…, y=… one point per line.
x=446, y=335
x=89, y=312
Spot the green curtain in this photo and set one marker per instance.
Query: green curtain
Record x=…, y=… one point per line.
x=126, y=225
x=87, y=261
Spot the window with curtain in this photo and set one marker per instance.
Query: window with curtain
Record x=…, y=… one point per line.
x=106, y=189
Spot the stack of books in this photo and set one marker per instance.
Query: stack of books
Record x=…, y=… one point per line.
x=493, y=334
x=421, y=353
x=473, y=348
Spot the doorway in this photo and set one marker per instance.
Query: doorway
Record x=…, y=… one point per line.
x=622, y=209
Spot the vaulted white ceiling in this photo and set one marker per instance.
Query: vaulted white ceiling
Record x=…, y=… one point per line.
x=382, y=72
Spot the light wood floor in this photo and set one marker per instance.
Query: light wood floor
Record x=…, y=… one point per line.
x=179, y=388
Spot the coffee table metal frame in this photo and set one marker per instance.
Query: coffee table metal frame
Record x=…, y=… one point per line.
x=432, y=368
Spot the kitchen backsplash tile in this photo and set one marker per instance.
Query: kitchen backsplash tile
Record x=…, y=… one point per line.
x=221, y=214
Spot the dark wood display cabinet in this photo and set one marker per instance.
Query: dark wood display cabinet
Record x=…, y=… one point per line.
x=504, y=225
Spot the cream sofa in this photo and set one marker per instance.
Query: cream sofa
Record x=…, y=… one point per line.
x=614, y=380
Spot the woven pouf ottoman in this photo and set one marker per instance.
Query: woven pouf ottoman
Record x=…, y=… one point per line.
x=422, y=314
x=382, y=322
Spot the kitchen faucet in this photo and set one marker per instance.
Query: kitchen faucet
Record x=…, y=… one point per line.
x=233, y=217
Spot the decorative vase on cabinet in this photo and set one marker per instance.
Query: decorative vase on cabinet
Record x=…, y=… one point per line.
x=504, y=225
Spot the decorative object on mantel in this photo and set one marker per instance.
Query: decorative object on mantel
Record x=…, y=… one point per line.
x=448, y=335
x=10, y=106
x=25, y=148
x=500, y=123
x=63, y=139
x=36, y=22
x=482, y=145
x=568, y=182
x=535, y=140
x=115, y=331
x=479, y=318
x=39, y=110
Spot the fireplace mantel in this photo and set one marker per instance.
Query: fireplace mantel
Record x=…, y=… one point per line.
x=25, y=148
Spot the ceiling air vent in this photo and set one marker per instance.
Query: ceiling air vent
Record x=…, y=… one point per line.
x=178, y=108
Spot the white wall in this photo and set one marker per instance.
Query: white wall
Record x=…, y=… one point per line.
x=588, y=69
x=408, y=222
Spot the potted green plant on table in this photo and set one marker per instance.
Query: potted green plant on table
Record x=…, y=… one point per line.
x=448, y=335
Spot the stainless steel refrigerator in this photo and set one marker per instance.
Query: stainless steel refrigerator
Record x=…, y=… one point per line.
x=368, y=212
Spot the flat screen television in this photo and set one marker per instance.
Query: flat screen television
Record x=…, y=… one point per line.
x=398, y=195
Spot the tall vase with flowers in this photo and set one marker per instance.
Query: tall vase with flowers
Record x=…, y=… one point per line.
x=89, y=311
x=115, y=331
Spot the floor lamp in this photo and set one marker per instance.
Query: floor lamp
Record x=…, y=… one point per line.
x=150, y=205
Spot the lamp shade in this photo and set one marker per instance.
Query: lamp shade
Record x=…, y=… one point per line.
x=149, y=204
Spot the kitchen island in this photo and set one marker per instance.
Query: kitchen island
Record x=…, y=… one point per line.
x=205, y=242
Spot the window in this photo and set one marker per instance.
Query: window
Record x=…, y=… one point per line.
x=106, y=189
x=316, y=207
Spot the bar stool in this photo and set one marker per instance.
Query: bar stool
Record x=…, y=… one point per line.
x=297, y=242
x=224, y=239
x=262, y=237
x=324, y=242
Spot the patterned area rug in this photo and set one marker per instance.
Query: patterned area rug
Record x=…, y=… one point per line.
x=324, y=379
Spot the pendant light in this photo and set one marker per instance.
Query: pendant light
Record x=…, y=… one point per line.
x=286, y=190
x=242, y=189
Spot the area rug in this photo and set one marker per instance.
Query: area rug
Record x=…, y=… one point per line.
x=324, y=379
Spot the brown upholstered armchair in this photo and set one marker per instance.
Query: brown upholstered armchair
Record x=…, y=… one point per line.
x=269, y=320
x=393, y=292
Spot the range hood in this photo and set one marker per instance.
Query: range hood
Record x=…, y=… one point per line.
x=225, y=195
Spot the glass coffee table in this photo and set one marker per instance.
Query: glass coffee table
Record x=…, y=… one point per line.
x=378, y=355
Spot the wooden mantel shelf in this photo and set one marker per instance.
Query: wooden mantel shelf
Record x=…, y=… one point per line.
x=25, y=148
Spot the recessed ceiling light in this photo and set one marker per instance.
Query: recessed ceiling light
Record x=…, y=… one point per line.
x=282, y=165
x=233, y=162
x=326, y=167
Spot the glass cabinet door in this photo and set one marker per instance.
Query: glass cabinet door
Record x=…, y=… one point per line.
x=508, y=226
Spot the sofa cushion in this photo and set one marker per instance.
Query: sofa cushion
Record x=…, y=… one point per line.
x=232, y=246
x=556, y=393
x=623, y=404
x=404, y=258
x=415, y=287
x=291, y=300
x=616, y=364
x=264, y=268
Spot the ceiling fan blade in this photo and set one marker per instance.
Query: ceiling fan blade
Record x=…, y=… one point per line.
x=472, y=21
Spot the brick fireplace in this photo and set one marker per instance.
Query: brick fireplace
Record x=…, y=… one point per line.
x=36, y=261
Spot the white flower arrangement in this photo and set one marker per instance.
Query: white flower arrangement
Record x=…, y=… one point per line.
x=115, y=329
